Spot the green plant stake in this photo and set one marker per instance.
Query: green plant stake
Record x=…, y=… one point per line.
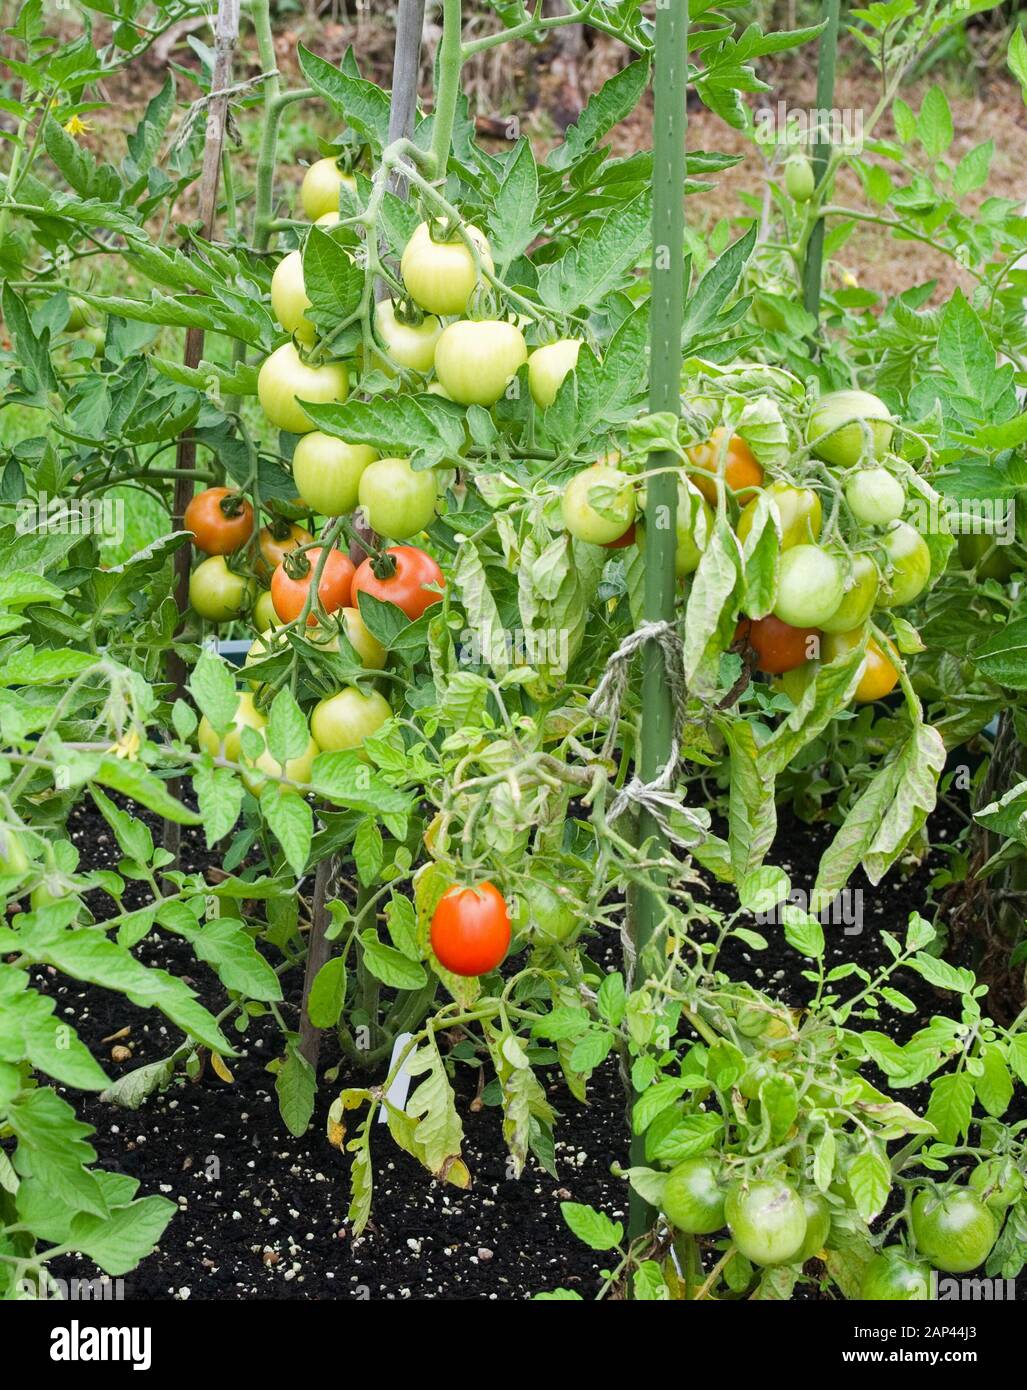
x=813, y=269
x=671, y=124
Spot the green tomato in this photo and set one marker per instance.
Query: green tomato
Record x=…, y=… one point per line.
x=289, y=301
x=327, y=472
x=543, y=908
x=910, y=562
x=845, y=444
x=440, y=276
x=861, y=591
x=397, y=501
x=408, y=345
x=264, y=615
x=319, y=192
x=267, y=765
x=998, y=1182
x=372, y=654
x=218, y=593
x=983, y=554
x=892, y=1277
x=13, y=858
x=800, y=180
x=598, y=504
x=754, y=1076
x=78, y=315
x=285, y=380
x=476, y=359
x=346, y=719
x=767, y=1221
x=246, y=716
x=818, y=1225
x=954, y=1229
x=693, y=1196
x=810, y=586
x=548, y=367
x=93, y=333
x=694, y=523
x=798, y=510
x=875, y=496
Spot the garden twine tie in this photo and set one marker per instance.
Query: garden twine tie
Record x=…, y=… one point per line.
x=655, y=797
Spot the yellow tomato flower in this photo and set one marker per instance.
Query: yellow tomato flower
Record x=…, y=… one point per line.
x=127, y=746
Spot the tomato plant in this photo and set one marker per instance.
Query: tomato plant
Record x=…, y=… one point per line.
x=648, y=589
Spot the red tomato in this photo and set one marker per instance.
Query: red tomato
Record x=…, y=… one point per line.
x=470, y=931
x=412, y=569
x=628, y=538
x=220, y=519
x=778, y=647
x=289, y=595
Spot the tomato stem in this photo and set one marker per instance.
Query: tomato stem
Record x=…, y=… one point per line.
x=451, y=58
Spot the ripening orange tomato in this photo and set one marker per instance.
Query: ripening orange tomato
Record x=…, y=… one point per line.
x=742, y=471
x=221, y=519
x=289, y=594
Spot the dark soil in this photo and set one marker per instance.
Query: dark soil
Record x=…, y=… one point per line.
x=263, y=1215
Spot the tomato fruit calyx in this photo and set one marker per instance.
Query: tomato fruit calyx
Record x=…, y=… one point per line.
x=383, y=564
x=296, y=564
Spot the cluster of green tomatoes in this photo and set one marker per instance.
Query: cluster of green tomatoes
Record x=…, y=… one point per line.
x=774, y=1220
x=831, y=577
